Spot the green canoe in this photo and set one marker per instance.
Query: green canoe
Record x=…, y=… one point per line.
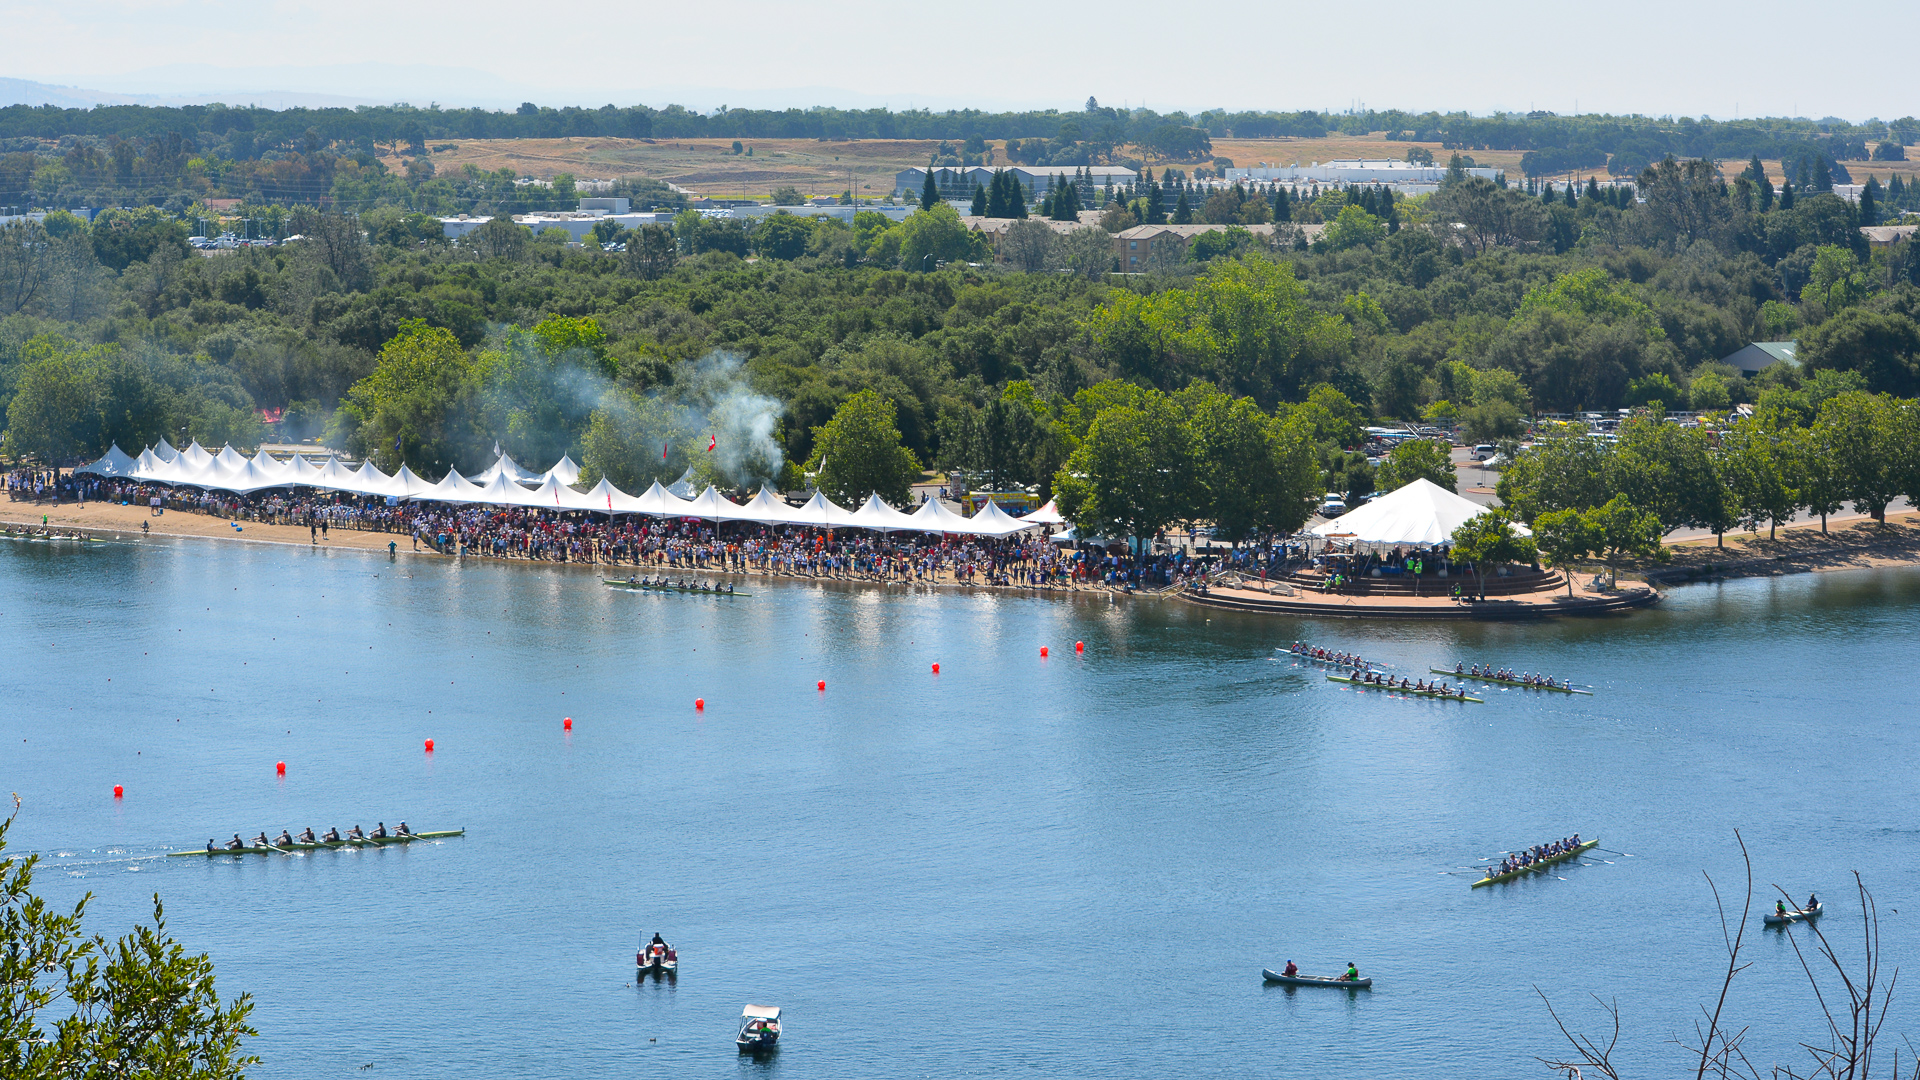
x=326, y=845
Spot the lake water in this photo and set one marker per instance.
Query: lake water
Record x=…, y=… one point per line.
x=1073, y=866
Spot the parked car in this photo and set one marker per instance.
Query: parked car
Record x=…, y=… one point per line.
x=1483, y=451
x=1333, y=505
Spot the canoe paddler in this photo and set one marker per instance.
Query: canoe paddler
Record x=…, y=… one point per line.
x=307, y=837
x=1812, y=902
x=1291, y=971
x=1353, y=973
x=284, y=840
x=1780, y=908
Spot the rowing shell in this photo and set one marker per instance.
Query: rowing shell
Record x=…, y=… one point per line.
x=1408, y=690
x=1308, y=980
x=1537, y=867
x=623, y=583
x=1331, y=662
x=1774, y=919
x=323, y=845
x=1506, y=682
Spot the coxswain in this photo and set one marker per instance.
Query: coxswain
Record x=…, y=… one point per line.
x=403, y=830
x=307, y=837
x=379, y=830
x=285, y=840
x=210, y=847
x=356, y=834
x=1291, y=972
x=1353, y=973
x=333, y=835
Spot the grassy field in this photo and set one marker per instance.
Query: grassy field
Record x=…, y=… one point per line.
x=710, y=167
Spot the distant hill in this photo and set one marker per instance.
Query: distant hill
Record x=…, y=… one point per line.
x=25, y=92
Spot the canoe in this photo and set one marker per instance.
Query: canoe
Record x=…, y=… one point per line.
x=323, y=846
x=1405, y=690
x=637, y=586
x=1308, y=980
x=1798, y=915
x=1539, y=866
x=1507, y=682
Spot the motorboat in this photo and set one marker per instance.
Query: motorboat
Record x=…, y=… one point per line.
x=657, y=958
x=759, y=1029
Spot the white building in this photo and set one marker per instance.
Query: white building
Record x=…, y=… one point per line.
x=1353, y=172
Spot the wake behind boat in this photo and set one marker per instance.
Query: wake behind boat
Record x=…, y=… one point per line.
x=1341, y=982
x=276, y=848
x=1506, y=678
x=1407, y=687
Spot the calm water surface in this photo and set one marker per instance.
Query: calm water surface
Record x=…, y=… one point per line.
x=1073, y=866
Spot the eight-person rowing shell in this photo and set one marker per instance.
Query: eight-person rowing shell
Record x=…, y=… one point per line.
x=1537, y=854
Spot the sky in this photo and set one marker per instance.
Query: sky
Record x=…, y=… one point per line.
x=1719, y=59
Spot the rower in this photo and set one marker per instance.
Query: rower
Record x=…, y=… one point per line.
x=356, y=834
x=1353, y=973
x=1459, y=669
x=307, y=837
x=1291, y=971
x=261, y=840
x=236, y=843
x=403, y=830
x=333, y=835
x=380, y=830
x=285, y=840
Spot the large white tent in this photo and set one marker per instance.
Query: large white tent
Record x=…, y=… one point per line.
x=874, y=514
x=509, y=468
x=934, y=517
x=564, y=471
x=115, y=463
x=1422, y=512
x=995, y=522
x=1046, y=515
x=823, y=513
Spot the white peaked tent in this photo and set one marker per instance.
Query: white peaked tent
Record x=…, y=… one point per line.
x=374, y=482
x=554, y=495
x=164, y=451
x=768, y=509
x=608, y=499
x=228, y=457
x=453, y=488
x=564, y=471
x=683, y=487
x=1046, y=515
x=302, y=472
x=995, y=522
x=934, y=517
x=713, y=506
x=1422, y=512
x=823, y=513
x=408, y=484
x=659, y=502
x=500, y=490
x=337, y=477
x=114, y=462
x=509, y=468
x=874, y=514
x=244, y=479
x=274, y=467
x=194, y=457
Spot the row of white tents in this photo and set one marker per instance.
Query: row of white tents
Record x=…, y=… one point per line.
x=505, y=483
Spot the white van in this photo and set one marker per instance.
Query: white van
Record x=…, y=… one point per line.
x=1483, y=451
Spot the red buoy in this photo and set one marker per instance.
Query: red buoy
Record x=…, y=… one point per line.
x=936, y=669
x=1043, y=652
x=821, y=685
x=118, y=791
x=429, y=746
x=1079, y=646
x=568, y=724
x=280, y=767
x=699, y=704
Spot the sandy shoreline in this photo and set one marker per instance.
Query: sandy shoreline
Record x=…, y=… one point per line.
x=1852, y=544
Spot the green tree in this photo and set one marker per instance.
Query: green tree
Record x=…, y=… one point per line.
x=1883, y=347
x=1656, y=389
x=1709, y=393
x=1866, y=438
x=1838, y=278
x=935, y=236
x=782, y=236
x=1353, y=227
x=1488, y=538
x=651, y=252
x=859, y=452
x=1759, y=459
x=1418, y=459
x=979, y=208
x=1132, y=476
x=123, y=237
x=1254, y=475
x=929, y=191
x=414, y=407
x=1564, y=537
x=137, y=1006
x=1670, y=471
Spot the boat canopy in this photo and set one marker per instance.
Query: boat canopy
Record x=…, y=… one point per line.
x=760, y=1012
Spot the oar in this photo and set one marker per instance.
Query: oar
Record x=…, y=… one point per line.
x=1610, y=851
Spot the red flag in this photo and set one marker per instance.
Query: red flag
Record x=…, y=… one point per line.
x=712, y=441
x=663, y=450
